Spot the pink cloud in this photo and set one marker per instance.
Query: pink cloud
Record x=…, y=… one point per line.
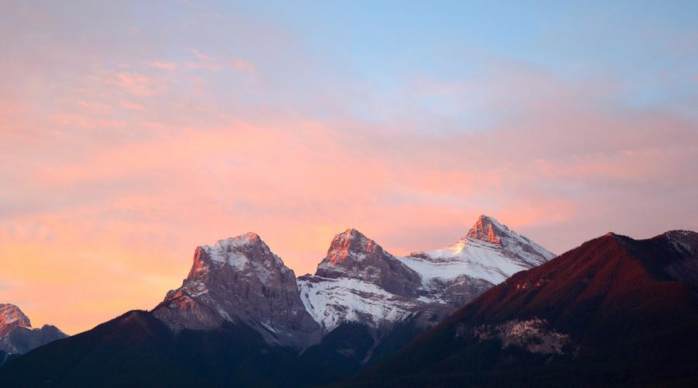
x=163, y=65
x=203, y=61
x=136, y=84
x=243, y=66
x=132, y=105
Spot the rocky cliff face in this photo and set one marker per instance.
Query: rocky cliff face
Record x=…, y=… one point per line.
x=17, y=335
x=241, y=281
x=358, y=281
x=353, y=255
x=11, y=317
x=518, y=248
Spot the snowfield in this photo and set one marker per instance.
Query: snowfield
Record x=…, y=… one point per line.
x=332, y=301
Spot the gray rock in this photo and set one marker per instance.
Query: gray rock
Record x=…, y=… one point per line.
x=353, y=255
x=241, y=281
x=17, y=335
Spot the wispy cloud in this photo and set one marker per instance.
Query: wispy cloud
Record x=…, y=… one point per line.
x=135, y=84
x=243, y=66
x=163, y=65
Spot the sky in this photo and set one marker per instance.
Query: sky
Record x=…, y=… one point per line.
x=131, y=132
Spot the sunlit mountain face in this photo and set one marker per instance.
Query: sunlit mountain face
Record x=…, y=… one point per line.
x=368, y=318
x=241, y=305
x=291, y=194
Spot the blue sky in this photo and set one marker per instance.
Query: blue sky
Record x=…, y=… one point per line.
x=648, y=45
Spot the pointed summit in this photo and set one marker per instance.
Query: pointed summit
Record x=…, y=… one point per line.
x=350, y=233
x=512, y=244
x=489, y=230
x=353, y=255
x=11, y=317
x=490, y=251
x=351, y=244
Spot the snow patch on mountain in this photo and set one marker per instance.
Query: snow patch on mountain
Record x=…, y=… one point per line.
x=475, y=258
x=331, y=301
x=490, y=251
x=683, y=240
x=234, y=251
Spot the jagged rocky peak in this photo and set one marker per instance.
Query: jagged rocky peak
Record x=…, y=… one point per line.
x=351, y=244
x=358, y=281
x=246, y=252
x=17, y=335
x=11, y=317
x=490, y=252
x=241, y=281
x=353, y=255
x=512, y=244
x=488, y=229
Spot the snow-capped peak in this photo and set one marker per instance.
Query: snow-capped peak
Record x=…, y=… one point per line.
x=218, y=250
x=512, y=244
x=10, y=317
x=359, y=281
x=353, y=255
x=237, y=252
x=490, y=251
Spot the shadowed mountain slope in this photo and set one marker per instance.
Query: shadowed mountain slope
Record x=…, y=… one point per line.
x=612, y=311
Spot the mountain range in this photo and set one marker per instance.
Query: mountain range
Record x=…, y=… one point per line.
x=613, y=312
x=493, y=308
